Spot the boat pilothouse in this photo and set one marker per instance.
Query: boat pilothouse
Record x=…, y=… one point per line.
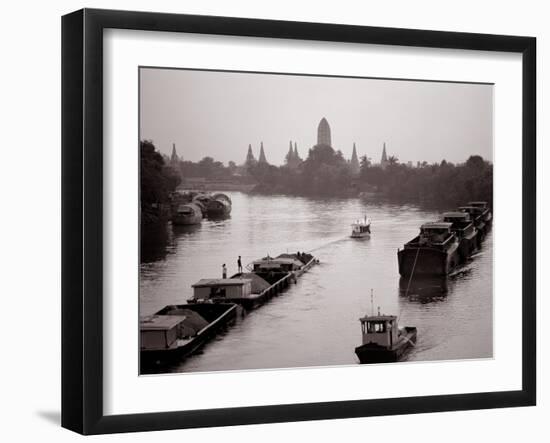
x=433, y=252
x=382, y=339
x=361, y=228
x=466, y=232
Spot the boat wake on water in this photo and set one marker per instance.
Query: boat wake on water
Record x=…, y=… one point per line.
x=460, y=272
x=329, y=243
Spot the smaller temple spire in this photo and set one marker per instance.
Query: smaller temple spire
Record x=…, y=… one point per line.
x=262, y=158
x=354, y=162
x=296, y=155
x=250, y=160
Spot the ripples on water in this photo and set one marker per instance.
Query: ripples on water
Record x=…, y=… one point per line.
x=315, y=322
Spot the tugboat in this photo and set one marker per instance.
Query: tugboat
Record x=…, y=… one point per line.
x=433, y=252
x=466, y=232
x=383, y=340
x=361, y=228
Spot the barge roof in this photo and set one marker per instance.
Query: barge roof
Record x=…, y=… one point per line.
x=280, y=260
x=210, y=282
x=159, y=322
x=436, y=225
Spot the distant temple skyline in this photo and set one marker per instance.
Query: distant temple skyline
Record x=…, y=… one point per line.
x=293, y=159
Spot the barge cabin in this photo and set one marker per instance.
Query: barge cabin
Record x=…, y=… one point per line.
x=466, y=232
x=433, y=252
x=486, y=211
x=478, y=217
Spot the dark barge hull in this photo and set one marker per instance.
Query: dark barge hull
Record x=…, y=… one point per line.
x=468, y=246
x=371, y=353
x=219, y=317
x=429, y=261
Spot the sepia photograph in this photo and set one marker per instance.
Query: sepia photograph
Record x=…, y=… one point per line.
x=295, y=221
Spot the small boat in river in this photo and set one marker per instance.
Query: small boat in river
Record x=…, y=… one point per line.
x=433, y=252
x=466, y=232
x=202, y=200
x=382, y=339
x=187, y=214
x=177, y=331
x=361, y=228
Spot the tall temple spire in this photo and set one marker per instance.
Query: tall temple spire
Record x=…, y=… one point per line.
x=262, y=158
x=323, y=133
x=250, y=160
x=290, y=155
x=354, y=162
x=296, y=155
x=384, y=160
x=174, y=157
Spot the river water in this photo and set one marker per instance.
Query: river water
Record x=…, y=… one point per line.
x=315, y=322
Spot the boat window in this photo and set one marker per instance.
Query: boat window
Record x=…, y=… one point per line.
x=376, y=327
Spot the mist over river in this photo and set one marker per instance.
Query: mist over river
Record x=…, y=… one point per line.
x=315, y=322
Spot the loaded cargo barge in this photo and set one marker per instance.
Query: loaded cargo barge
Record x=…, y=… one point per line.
x=178, y=331
x=268, y=277
x=442, y=246
x=433, y=252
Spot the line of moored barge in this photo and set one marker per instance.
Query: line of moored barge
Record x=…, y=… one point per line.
x=177, y=331
x=443, y=245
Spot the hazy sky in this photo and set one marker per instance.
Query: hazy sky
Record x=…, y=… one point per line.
x=218, y=114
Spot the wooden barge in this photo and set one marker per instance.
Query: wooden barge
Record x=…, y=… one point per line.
x=187, y=214
x=443, y=245
x=178, y=331
x=433, y=252
x=267, y=277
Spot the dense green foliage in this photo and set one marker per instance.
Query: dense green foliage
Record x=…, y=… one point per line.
x=325, y=173
x=439, y=183
x=156, y=182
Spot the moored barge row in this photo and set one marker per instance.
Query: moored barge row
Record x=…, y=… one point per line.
x=209, y=205
x=268, y=276
x=178, y=331
x=433, y=252
x=442, y=246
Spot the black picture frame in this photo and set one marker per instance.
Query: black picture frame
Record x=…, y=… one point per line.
x=82, y=218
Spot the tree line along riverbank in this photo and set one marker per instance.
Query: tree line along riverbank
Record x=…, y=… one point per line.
x=324, y=173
